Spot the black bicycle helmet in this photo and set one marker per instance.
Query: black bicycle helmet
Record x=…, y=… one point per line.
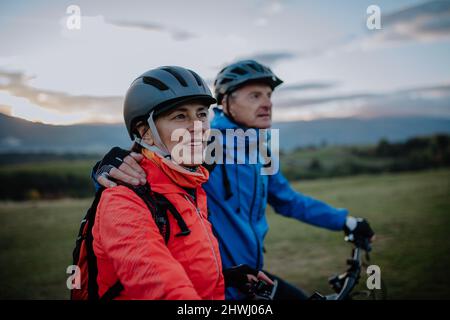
x=240, y=73
x=162, y=89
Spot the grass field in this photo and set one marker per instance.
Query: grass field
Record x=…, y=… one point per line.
x=410, y=213
x=80, y=168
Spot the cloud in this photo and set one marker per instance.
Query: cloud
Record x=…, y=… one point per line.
x=307, y=102
x=269, y=9
x=307, y=86
x=176, y=34
x=417, y=101
x=5, y=109
x=22, y=100
x=441, y=90
x=267, y=58
x=270, y=58
x=273, y=7
x=62, y=105
x=429, y=92
x=426, y=21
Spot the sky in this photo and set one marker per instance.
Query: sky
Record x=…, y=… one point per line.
x=332, y=64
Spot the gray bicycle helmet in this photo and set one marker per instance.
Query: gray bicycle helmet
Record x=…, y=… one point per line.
x=161, y=89
x=240, y=73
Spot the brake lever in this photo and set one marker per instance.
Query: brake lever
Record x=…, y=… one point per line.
x=362, y=244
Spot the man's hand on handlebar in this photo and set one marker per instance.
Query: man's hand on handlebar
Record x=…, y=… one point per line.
x=358, y=231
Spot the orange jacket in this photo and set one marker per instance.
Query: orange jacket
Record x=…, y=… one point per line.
x=130, y=248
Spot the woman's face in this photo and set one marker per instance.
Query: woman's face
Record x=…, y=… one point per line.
x=183, y=117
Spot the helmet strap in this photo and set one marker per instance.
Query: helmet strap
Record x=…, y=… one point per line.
x=155, y=149
x=159, y=147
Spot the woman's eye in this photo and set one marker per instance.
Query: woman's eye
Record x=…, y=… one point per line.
x=203, y=114
x=179, y=116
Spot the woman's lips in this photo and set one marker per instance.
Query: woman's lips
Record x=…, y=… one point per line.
x=196, y=143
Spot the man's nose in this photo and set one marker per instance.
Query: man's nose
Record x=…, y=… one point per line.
x=267, y=106
x=267, y=103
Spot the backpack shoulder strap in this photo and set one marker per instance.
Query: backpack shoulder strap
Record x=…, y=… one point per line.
x=158, y=206
x=112, y=292
x=159, y=214
x=85, y=234
x=164, y=205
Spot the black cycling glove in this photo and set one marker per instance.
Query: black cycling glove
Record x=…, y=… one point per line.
x=236, y=277
x=359, y=232
x=113, y=159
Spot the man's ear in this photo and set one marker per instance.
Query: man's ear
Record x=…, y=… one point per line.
x=225, y=105
x=224, y=101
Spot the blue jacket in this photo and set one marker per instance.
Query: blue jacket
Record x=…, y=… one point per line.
x=240, y=222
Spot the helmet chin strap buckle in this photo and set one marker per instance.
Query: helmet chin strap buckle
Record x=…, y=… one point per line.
x=154, y=149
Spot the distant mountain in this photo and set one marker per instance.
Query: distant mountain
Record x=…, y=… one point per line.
x=352, y=131
x=25, y=136
x=21, y=135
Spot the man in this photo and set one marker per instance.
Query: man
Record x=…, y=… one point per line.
x=238, y=193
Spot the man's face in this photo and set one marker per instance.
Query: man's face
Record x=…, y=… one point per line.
x=251, y=105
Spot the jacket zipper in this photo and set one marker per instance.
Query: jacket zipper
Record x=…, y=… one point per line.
x=251, y=222
x=207, y=234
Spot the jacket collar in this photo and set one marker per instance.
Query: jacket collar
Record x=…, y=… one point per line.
x=221, y=121
x=158, y=180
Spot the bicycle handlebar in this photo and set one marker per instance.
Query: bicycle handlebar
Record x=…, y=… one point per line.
x=352, y=274
x=346, y=282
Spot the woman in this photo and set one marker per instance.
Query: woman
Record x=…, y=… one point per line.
x=127, y=242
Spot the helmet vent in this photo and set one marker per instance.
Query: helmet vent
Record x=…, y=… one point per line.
x=255, y=67
x=176, y=75
x=225, y=80
x=197, y=78
x=155, y=82
x=238, y=71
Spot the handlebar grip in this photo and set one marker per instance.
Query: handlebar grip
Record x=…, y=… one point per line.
x=366, y=245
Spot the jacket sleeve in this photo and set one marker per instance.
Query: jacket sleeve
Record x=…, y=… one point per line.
x=130, y=238
x=290, y=203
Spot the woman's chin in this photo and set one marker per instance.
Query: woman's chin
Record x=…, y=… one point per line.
x=194, y=160
x=190, y=156
x=190, y=165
